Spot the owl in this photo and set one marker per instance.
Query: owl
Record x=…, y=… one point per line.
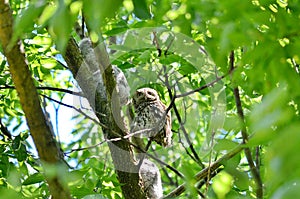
x=90, y=58
x=150, y=112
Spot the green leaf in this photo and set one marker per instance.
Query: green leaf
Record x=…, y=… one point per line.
x=2, y=65
x=47, y=13
x=2, y=142
x=222, y=184
x=26, y=20
x=233, y=163
x=241, y=180
x=16, y=142
x=48, y=63
x=145, y=56
x=34, y=178
x=141, y=9
x=4, y=165
x=268, y=115
x=63, y=17
x=232, y=123
x=21, y=153
x=80, y=191
x=289, y=190
x=224, y=144
x=282, y=157
x=186, y=69
x=96, y=11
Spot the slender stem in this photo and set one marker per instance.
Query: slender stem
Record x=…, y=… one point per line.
x=180, y=121
x=204, y=172
x=47, y=88
x=202, y=87
x=254, y=170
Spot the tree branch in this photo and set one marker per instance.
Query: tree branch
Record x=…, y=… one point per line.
x=48, y=88
x=207, y=171
x=253, y=168
x=173, y=97
x=120, y=150
x=76, y=109
x=125, y=138
x=4, y=130
x=204, y=86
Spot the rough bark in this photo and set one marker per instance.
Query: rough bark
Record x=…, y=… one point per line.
x=109, y=116
x=42, y=136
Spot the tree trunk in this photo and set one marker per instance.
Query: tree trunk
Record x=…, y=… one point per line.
x=44, y=141
x=109, y=116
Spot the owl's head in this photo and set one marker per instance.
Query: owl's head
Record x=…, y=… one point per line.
x=144, y=95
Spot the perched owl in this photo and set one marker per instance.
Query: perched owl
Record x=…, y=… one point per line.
x=150, y=113
x=150, y=175
x=122, y=87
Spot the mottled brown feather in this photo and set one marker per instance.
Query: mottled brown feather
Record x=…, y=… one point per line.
x=151, y=113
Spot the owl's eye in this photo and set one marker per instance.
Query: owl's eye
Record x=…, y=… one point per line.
x=139, y=94
x=152, y=94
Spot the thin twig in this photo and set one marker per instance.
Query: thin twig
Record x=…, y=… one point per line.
x=209, y=162
x=186, y=150
x=112, y=140
x=204, y=173
x=253, y=168
x=155, y=42
x=166, y=82
x=60, y=90
x=165, y=171
x=48, y=88
x=137, y=147
x=169, y=46
x=210, y=176
x=257, y=158
x=60, y=62
x=76, y=109
x=202, y=87
x=4, y=130
x=158, y=160
x=93, y=146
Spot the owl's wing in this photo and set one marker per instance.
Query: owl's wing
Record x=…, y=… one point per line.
x=168, y=130
x=163, y=137
x=136, y=139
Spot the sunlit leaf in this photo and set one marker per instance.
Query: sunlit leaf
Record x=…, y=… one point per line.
x=97, y=11
x=268, y=115
x=224, y=144
x=141, y=9
x=34, y=178
x=63, y=17
x=26, y=20
x=222, y=184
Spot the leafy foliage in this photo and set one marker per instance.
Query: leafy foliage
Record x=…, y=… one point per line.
x=264, y=38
